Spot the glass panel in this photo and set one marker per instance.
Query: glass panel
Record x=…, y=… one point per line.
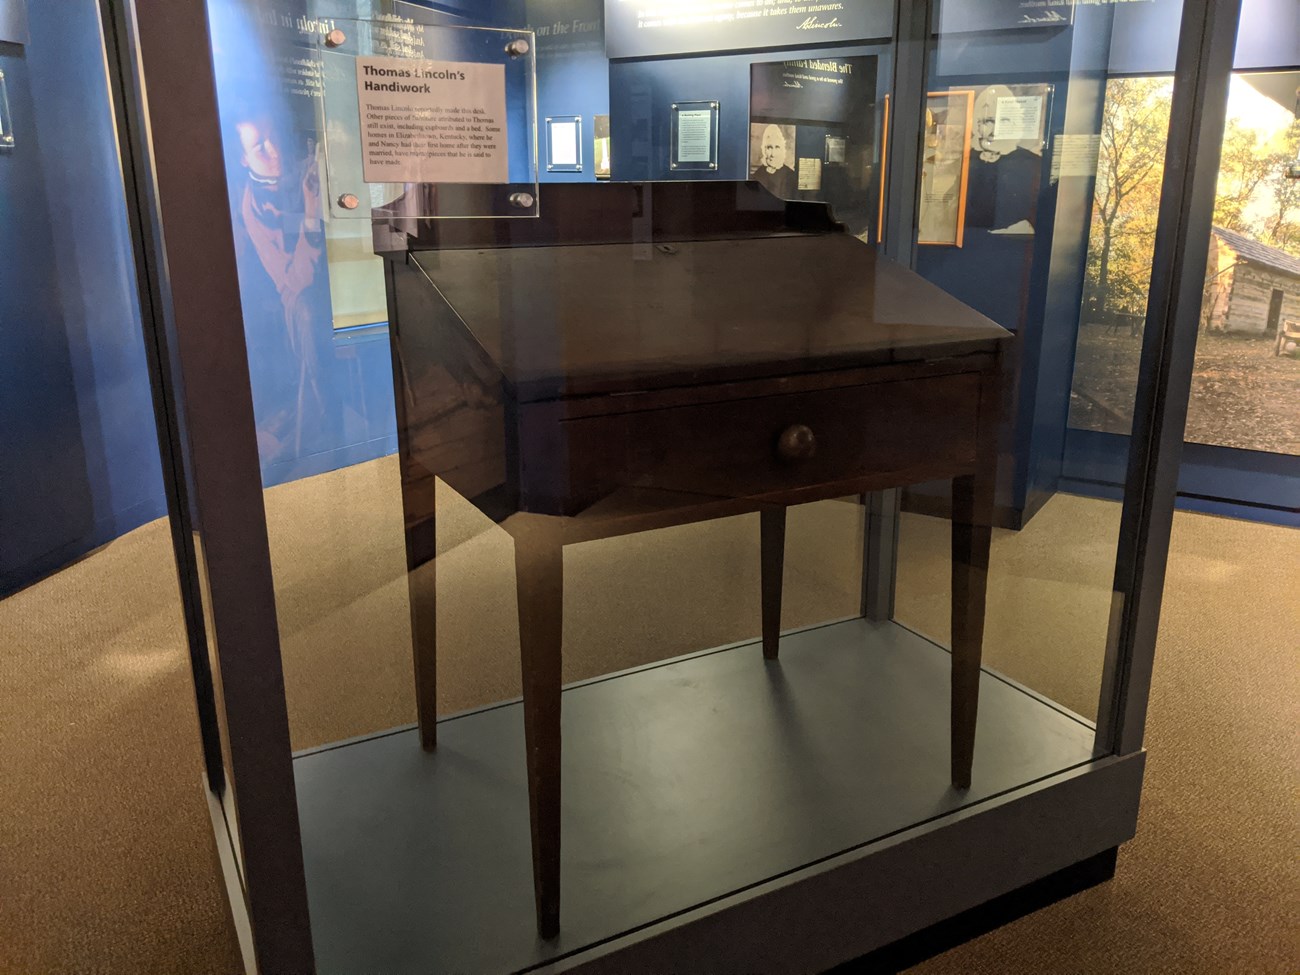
x=99, y=744
x=429, y=121
x=632, y=447
x=1022, y=129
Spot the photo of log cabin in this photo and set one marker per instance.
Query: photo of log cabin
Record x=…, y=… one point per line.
x=1246, y=381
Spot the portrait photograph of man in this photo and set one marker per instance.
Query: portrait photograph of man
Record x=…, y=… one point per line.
x=1006, y=159
x=771, y=153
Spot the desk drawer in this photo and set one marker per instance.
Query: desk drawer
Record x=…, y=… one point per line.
x=900, y=432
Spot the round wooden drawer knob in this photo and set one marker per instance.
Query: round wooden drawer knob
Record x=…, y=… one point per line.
x=797, y=443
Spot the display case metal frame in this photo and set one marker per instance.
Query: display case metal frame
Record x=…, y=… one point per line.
x=829, y=911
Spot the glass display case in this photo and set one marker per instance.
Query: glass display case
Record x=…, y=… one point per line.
x=681, y=564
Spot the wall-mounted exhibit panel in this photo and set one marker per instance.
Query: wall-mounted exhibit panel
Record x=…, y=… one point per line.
x=814, y=130
x=809, y=124
x=672, y=28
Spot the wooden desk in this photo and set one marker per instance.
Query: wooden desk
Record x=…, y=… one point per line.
x=652, y=356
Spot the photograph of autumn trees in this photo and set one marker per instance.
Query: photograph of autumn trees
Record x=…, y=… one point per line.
x=1246, y=388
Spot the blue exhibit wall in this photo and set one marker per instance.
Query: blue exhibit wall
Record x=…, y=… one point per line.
x=642, y=93
x=1146, y=36
x=572, y=73
x=1241, y=483
x=78, y=455
x=1031, y=285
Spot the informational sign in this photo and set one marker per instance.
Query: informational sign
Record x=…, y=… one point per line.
x=836, y=150
x=564, y=144
x=1019, y=117
x=1075, y=155
x=13, y=21
x=960, y=16
x=652, y=28
x=694, y=135
x=432, y=121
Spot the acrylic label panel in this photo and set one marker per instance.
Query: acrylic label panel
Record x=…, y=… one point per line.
x=432, y=121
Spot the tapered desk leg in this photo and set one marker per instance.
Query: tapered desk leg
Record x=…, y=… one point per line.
x=539, y=567
x=972, y=512
x=773, y=545
x=422, y=585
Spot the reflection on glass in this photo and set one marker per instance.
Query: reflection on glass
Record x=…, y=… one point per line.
x=815, y=132
x=99, y=740
x=1001, y=218
x=945, y=168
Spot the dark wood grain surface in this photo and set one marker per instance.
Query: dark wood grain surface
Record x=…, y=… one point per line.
x=608, y=318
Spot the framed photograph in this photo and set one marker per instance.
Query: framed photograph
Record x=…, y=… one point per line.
x=601, y=161
x=813, y=133
x=945, y=167
x=564, y=144
x=772, y=158
x=694, y=136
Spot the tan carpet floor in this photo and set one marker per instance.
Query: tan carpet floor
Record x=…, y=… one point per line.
x=106, y=863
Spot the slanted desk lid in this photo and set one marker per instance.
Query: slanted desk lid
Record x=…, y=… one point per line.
x=576, y=320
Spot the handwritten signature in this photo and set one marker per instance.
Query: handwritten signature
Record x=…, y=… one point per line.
x=1047, y=17
x=812, y=23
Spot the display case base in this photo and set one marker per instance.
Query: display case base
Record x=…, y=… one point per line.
x=695, y=789
x=978, y=921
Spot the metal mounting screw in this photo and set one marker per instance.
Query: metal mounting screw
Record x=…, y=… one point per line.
x=518, y=48
x=524, y=201
x=349, y=201
x=335, y=38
